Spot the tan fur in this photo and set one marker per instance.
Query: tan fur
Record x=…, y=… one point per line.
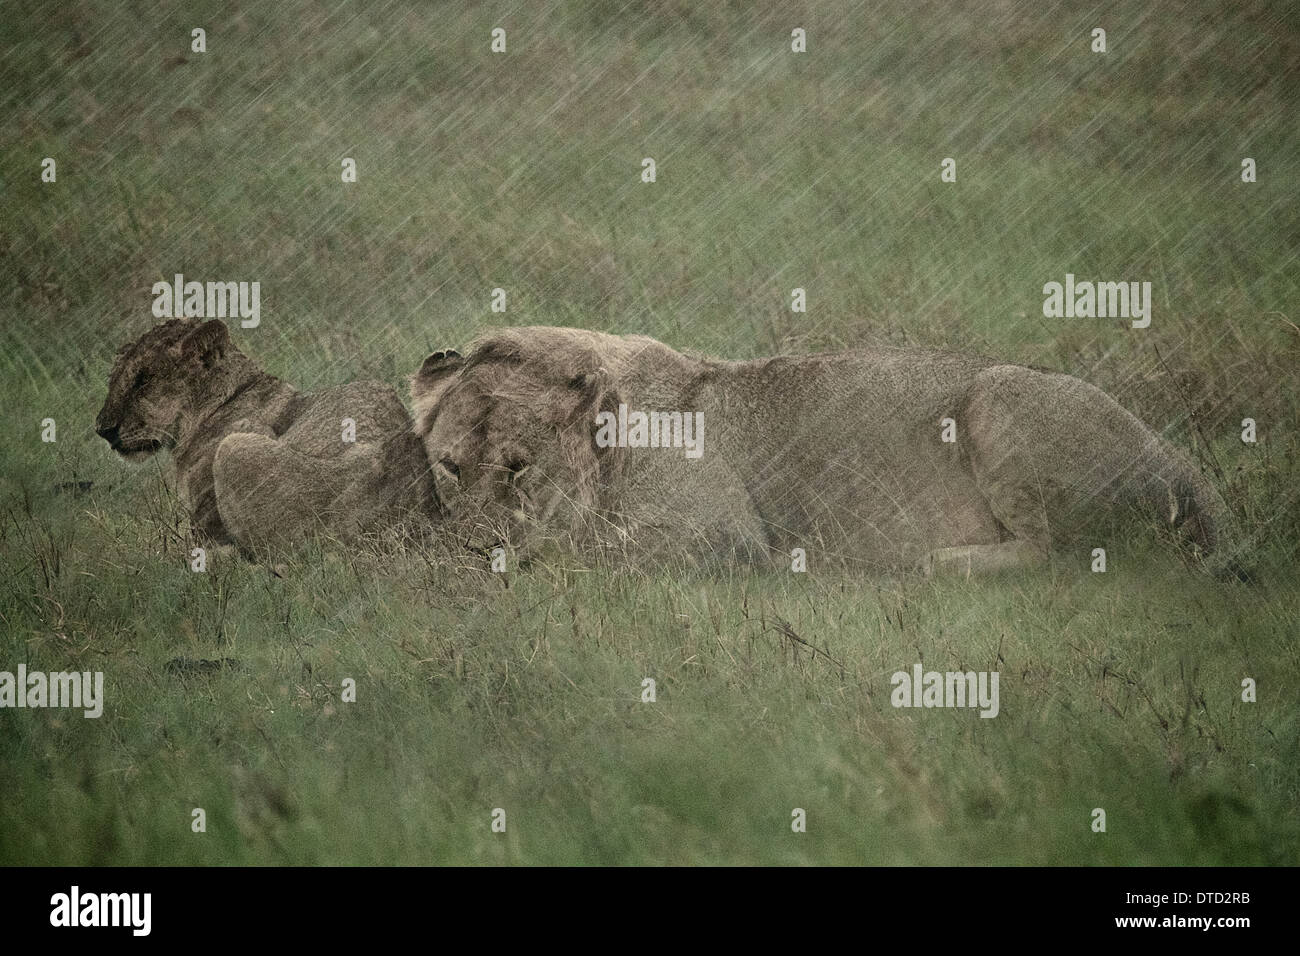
x=838, y=454
x=258, y=463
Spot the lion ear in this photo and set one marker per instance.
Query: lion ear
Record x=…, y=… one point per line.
x=578, y=399
x=206, y=346
x=589, y=393
x=606, y=403
x=434, y=370
x=587, y=385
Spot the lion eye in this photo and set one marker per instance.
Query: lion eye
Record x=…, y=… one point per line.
x=452, y=468
x=515, y=463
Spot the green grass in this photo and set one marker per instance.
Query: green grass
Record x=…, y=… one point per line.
x=522, y=691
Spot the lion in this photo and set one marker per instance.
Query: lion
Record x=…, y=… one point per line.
x=259, y=464
x=881, y=458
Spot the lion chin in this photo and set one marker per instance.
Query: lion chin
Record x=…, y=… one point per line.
x=140, y=451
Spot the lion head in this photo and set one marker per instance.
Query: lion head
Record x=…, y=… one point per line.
x=509, y=428
x=160, y=381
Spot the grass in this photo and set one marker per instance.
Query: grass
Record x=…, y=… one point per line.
x=522, y=691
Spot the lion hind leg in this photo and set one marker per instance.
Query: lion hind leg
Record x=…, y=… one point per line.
x=1054, y=457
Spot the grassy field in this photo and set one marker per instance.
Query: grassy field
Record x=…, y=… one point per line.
x=522, y=170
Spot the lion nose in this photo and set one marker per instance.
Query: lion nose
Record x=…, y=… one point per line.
x=109, y=434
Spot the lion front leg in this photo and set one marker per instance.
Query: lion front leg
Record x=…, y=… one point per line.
x=272, y=495
x=265, y=491
x=972, y=559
